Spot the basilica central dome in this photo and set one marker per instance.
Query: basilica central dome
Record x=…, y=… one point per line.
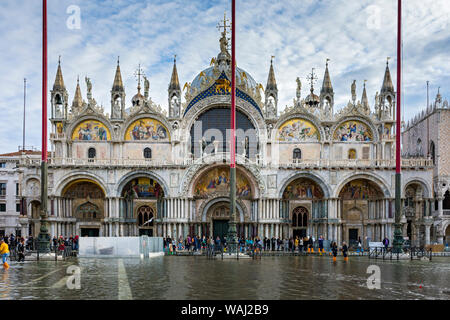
x=243, y=79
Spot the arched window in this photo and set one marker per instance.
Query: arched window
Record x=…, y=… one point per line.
x=294, y=219
x=145, y=217
x=91, y=153
x=305, y=219
x=446, y=202
x=432, y=152
x=147, y=153
x=352, y=154
x=297, y=154
x=300, y=217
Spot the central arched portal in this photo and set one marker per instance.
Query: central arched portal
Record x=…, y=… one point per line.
x=304, y=205
x=211, y=194
x=220, y=217
x=363, y=209
x=142, y=206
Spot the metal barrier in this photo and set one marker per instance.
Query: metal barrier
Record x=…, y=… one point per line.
x=388, y=253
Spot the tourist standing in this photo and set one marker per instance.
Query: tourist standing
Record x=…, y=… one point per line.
x=306, y=243
x=386, y=243
x=300, y=244
x=4, y=252
x=334, y=249
x=55, y=242
x=321, y=245
x=21, y=250
x=345, y=251
x=360, y=249
x=296, y=243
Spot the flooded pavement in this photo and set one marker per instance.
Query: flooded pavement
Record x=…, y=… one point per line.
x=191, y=277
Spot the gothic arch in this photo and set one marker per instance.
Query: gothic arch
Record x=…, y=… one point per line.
x=136, y=174
x=307, y=175
x=303, y=116
x=191, y=177
x=360, y=118
x=76, y=176
x=419, y=181
x=134, y=117
x=367, y=176
x=206, y=205
x=96, y=117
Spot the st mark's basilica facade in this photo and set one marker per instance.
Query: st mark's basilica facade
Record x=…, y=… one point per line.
x=306, y=170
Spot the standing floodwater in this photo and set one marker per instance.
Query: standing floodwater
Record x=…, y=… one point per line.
x=190, y=277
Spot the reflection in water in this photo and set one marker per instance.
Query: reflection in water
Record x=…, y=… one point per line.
x=5, y=285
x=198, y=278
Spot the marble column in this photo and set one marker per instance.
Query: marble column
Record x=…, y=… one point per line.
x=440, y=207
x=427, y=234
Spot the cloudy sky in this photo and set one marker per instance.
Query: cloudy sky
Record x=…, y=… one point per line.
x=356, y=35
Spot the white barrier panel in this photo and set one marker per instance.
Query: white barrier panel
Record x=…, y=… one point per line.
x=373, y=245
x=119, y=246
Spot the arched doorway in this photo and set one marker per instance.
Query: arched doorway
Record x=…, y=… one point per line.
x=145, y=220
x=303, y=202
x=220, y=216
x=362, y=208
x=212, y=189
x=300, y=217
x=87, y=201
x=142, y=204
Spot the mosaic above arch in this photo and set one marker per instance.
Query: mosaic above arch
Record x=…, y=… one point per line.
x=298, y=130
x=353, y=131
x=147, y=129
x=83, y=189
x=303, y=188
x=91, y=130
x=360, y=189
x=143, y=187
x=217, y=180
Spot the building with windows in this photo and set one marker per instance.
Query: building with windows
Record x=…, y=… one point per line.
x=307, y=170
x=426, y=135
x=13, y=219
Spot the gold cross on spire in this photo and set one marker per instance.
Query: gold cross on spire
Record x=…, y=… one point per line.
x=138, y=73
x=312, y=78
x=225, y=25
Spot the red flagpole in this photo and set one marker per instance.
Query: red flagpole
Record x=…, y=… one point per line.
x=398, y=233
x=233, y=84
x=44, y=82
x=399, y=86
x=44, y=236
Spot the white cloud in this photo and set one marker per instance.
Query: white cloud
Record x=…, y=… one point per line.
x=301, y=34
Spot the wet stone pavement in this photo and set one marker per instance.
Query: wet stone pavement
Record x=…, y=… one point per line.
x=196, y=277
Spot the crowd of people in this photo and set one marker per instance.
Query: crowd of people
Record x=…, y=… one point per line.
x=200, y=244
x=20, y=245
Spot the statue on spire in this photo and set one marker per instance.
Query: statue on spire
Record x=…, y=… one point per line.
x=224, y=40
x=146, y=87
x=299, y=88
x=353, y=88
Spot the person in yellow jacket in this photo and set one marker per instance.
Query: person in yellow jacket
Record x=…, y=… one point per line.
x=4, y=252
